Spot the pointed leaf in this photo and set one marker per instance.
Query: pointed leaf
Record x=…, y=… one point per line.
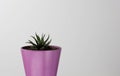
x=48, y=43
x=47, y=38
x=37, y=36
x=32, y=43
x=42, y=39
x=35, y=40
x=38, y=39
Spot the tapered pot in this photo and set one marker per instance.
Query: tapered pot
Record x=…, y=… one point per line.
x=40, y=62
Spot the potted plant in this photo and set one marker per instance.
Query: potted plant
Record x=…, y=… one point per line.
x=40, y=58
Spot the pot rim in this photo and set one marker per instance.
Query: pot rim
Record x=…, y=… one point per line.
x=54, y=46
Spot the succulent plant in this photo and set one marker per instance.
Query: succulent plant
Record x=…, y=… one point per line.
x=40, y=43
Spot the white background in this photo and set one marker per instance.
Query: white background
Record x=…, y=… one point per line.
x=87, y=30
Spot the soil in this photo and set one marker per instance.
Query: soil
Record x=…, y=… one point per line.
x=31, y=48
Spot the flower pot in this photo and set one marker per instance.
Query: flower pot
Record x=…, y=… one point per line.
x=42, y=62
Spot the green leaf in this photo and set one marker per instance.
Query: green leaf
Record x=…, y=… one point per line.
x=35, y=40
x=42, y=39
x=40, y=42
x=47, y=44
x=37, y=36
x=47, y=39
x=32, y=43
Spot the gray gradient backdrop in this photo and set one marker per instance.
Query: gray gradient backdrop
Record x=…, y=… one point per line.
x=87, y=30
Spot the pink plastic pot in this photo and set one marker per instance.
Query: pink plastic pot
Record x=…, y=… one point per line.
x=41, y=63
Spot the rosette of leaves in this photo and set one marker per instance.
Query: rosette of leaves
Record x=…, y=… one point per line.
x=40, y=43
